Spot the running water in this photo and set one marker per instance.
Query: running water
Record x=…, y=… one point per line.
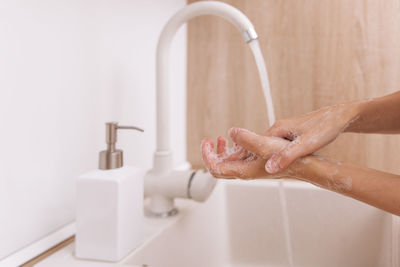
x=285, y=216
x=262, y=71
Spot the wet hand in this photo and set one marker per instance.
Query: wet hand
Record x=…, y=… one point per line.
x=246, y=160
x=308, y=133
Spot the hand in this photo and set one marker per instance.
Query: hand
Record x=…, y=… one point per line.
x=309, y=132
x=246, y=161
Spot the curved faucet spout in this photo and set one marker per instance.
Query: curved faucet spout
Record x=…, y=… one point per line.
x=220, y=9
x=162, y=184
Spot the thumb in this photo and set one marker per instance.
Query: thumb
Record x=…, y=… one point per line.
x=260, y=145
x=246, y=139
x=286, y=156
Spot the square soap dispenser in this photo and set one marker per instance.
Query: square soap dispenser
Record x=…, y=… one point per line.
x=109, y=205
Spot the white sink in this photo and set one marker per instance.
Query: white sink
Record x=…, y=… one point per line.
x=241, y=225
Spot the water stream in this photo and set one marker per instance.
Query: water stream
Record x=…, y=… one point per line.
x=262, y=71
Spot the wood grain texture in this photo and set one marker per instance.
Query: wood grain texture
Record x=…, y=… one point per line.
x=318, y=53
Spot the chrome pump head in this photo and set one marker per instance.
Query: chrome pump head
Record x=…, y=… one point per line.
x=112, y=158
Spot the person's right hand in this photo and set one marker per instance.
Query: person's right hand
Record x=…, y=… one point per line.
x=246, y=159
x=309, y=132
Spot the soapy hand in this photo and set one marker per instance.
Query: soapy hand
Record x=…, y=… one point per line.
x=308, y=133
x=246, y=160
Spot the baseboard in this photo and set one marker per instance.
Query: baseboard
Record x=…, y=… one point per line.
x=35, y=249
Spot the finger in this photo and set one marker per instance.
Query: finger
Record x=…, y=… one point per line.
x=277, y=131
x=227, y=169
x=208, y=154
x=282, y=159
x=260, y=145
x=216, y=167
x=239, y=169
x=237, y=154
x=246, y=139
x=221, y=145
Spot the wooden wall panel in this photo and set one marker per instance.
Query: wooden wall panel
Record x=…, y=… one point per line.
x=318, y=53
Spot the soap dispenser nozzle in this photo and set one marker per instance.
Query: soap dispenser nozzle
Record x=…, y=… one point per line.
x=112, y=158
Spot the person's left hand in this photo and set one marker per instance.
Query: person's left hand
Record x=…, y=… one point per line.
x=248, y=158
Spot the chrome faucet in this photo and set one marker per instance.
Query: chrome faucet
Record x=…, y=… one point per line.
x=162, y=183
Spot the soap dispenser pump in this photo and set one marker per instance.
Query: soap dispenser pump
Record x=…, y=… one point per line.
x=109, y=205
x=112, y=158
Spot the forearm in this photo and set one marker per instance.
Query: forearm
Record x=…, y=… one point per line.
x=378, y=115
x=373, y=187
x=376, y=188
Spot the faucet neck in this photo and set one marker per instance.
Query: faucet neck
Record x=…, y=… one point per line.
x=219, y=9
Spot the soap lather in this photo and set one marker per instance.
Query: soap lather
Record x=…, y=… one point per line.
x=109, y=205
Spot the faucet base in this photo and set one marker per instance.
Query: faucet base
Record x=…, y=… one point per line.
x=159, y=206
x=165, y=214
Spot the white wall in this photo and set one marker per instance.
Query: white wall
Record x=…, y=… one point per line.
x=66, y=67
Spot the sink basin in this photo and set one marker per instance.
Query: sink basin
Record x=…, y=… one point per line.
x=241, y=224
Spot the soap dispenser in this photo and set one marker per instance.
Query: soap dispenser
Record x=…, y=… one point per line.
x=109, y=205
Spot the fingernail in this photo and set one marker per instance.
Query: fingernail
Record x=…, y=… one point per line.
x=233, y=132
x=271, y=167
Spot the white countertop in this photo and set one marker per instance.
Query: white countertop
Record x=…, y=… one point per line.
x=152, y=227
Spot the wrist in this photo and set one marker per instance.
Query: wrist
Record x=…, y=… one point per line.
x=354, y=111
x=302, y=167
x=310, y=169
